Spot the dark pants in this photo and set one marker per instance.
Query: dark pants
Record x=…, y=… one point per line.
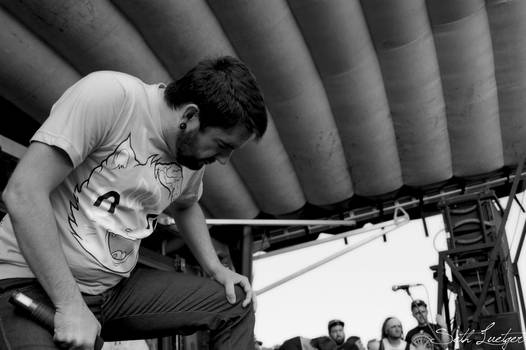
x=147, y=305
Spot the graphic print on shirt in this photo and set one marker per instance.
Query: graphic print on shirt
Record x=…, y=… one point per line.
x=422, y=341
x=118, y=204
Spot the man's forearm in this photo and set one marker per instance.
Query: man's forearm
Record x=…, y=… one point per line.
x=445, y=339
x=37, y=236
x=192, y=226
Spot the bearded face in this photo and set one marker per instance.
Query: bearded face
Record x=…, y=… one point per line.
x=337, y=334
x=189, y=153
x=198, y=147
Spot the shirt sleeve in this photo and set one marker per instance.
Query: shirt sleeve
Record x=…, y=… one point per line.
x=193, y=189
x=83, y=115
x=315, y=342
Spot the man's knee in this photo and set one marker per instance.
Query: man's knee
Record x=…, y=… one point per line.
x=240, y=294
x=246, y=311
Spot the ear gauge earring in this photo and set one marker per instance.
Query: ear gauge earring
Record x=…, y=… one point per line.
x=182, y=126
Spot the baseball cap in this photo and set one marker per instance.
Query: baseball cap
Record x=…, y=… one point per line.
x=333, y=323
x=417, y=303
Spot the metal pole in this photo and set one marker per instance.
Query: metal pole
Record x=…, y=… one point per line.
x=519, y=247
x=321, y=262
x=278, y=222
x=11, y=147
x=246, y=252
x=521, y=294
x=329, y=239
x=517, y=275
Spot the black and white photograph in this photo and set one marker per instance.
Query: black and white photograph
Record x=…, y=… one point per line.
x=263, y=174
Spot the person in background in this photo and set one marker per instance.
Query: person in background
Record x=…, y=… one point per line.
x=392, y=335
x=296, y=343
x=373, y=344
x=336, y=338
x=353, y=343
x=336, y=331
x=426, y=335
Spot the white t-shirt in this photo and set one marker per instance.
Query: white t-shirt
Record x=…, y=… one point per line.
x=109, y=125
x=388, y=346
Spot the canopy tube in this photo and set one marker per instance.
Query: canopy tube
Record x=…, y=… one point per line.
x=33, y=76
x=463, y=43
x=91, y=35
x=349, y=69
x=404, y=44
x=508, y=33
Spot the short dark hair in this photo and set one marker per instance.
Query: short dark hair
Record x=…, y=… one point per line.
x=352, y=340
x=417, y=303
x=226, y=93
x=333, y=323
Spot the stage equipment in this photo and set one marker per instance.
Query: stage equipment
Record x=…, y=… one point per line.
x=405, y=286
x=483, y=277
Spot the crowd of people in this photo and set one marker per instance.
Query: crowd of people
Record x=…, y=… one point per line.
x=425, y=336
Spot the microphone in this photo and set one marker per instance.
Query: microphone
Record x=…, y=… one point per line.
x=42, y=313
x=405, y=286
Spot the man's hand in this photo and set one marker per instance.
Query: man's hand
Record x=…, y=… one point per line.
x=441, y=321
x=229, y=279
x=76, y=326
x=192, y=228
x=444, y=337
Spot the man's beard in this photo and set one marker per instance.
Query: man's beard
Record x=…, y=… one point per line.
x=190, y=162
x=186, y=142
x=339, y=340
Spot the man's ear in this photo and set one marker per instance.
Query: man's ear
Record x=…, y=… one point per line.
x=191, y=111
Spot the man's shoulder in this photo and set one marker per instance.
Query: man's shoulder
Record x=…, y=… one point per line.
x=111, y=74
x=430, y=329
x=434, y=326
x=413, y=330
x=323, y=343
x=103, y=86
x=108, y=78
x=321, y=339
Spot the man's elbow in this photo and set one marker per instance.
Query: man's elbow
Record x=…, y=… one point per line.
x=16, y=194
x=8, y=195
